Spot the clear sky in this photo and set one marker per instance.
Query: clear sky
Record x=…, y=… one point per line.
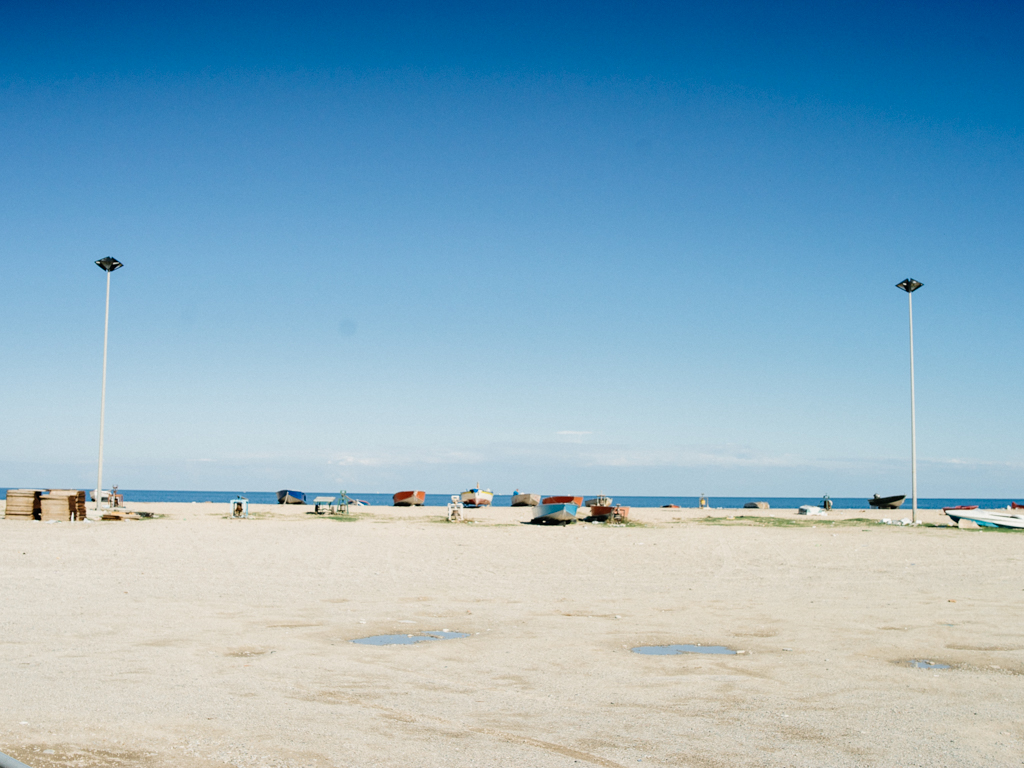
x=619, y=247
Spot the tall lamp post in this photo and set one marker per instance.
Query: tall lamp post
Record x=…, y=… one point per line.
x=108, y=265
x=910, y=286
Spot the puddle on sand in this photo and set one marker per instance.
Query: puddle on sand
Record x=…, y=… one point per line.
x=672, y=650
x=420, y=637
x=924, y=664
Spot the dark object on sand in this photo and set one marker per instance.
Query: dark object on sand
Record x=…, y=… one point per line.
x=291, y=497
x=887, y=502
x=756, y=505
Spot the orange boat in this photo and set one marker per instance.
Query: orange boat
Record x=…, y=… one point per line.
x=409, y=498
x=577, y=500
x=603, y=512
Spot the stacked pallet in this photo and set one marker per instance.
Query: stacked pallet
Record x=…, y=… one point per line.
x=76, y=502
x=62, y=505
x=23, y=504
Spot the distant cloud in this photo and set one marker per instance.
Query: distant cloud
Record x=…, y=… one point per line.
x=358, y=461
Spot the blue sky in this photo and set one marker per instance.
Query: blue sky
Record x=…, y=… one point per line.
x=636, y=249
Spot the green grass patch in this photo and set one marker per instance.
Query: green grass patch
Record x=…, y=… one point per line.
x=758, y=520
x=787, y=522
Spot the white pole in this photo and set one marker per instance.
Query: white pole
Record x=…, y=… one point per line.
x=103, y=396
x=913, y=416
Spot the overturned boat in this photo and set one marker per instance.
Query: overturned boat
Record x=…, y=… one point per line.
x=987, y=518
x=575, y=500
x=556, y=513
x=291, y=497
x=409, y=498
x=887, y=502
x=525, y=499
x=605, y=513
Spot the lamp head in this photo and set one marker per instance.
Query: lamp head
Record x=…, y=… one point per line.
x=909, y=285
x=109, y=264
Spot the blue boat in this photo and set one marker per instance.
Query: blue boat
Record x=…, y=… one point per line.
x=291, y=497
x=555, y=513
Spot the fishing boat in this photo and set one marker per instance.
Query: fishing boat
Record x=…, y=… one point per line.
x=556, y=512
x=574, y=500
x=886, y=502
x=599, y=501
x=475, y=497
x=961, y=507
x=525, y=499
x=756, y=505
x=291, y=497
x=409, y=498
x=603, y=512
x=987, y=518
x=1015, y=505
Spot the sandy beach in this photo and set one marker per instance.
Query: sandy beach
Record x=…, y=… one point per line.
x=192, y=639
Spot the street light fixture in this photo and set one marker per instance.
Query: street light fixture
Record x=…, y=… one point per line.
x=108, y=265
x=910, y=286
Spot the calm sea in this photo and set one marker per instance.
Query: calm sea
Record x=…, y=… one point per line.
x=440, y=499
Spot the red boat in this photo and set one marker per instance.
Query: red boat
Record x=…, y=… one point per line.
x=409, y=498
x=603, y=512
x=577, y=500
x=946, y=509
x=1015, y=505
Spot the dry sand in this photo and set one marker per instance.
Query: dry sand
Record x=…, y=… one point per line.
x=196, y=640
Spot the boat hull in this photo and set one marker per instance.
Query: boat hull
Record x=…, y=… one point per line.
x=887, y=502
x=291, y=497
x=599, y=501
x=476, y=498
x=988, y=518
x=574, y=500
x=409, y=498
x=555, y=513
x=605, y=511
x=526, y=500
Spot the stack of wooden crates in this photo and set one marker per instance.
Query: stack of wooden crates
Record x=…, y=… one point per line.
x=22, y=504
x=62, y=505
x=57, y=504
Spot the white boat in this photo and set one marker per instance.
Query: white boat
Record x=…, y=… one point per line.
x=526, y=500
x=598, y=501
x=988, y=518
x=475, y=497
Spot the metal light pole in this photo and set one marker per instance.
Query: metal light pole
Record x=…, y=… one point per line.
x=108, y=265
x=910, y=286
